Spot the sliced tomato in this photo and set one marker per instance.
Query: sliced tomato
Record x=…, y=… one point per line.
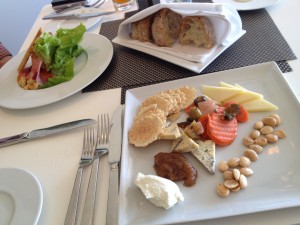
x=222, y=132
x=243, y=115
x=204, y=120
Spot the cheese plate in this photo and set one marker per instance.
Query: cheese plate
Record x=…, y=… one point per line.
x=274, y=184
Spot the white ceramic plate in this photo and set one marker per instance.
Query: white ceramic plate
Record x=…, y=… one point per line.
x=248, y=5
x=275, y=183
x=21, y=197
x=88, y=67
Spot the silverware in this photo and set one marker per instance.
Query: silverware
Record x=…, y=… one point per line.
x=88, y=148
x=103, y=132
x=76, y=16
x=115, y=147
x=39, y=133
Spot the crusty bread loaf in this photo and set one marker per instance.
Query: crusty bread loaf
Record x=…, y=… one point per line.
x=141, y=30
x=166, y=27
x=197, y=30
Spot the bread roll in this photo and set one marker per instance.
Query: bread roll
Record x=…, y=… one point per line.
x=197, y=30
x=141, y=30
x=166, y=27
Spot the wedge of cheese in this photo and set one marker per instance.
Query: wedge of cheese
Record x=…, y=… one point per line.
x=259, y=105
x=184, y=144
x=206, y=154
x=171, y=132
x=244, y=96
x=223, y=84
x=220, y=94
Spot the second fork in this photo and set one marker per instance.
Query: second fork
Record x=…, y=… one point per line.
x=101, y=149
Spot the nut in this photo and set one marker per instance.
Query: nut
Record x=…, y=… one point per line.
x=251, y=154
x=243, y=181
x=261, y=141
x=257, y=148
x=223, y=166
x=269, y=121
x=233, y=162
x=247, y=141
x=237, y=188
x=280, y=133
x=246, y=171
x=258, y=125
x=272, y=138
x=222, y=190
x=244, y=161
x=236, y=174
x=276, y=117
x=228, y=175
x=231, y=183
x=254, y=134
x=266, y=130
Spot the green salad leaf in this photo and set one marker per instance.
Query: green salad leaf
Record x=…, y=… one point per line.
x=58, y=53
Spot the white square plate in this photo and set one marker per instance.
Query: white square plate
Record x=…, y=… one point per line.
x=275, y=183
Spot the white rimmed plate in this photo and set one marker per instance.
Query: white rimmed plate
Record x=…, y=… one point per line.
x=274, y=185
x=248, y=5
x=88, y=67
x=21, y=197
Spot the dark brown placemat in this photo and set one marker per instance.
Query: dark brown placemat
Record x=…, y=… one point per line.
x=129, y=68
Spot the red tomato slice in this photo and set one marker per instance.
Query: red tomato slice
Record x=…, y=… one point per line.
x=222, y=132
x=204, y=120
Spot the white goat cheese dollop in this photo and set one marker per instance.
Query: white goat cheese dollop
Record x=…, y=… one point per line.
x=160, y=191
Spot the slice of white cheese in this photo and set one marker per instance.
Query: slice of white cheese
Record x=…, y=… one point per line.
x=184, y=144
x=223, y=84
x=245, y=96
x=206, y=154
x=259, y=105
x=171, y=132
x=220, y=94
x=239, y=86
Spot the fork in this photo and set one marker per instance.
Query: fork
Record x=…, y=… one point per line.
x=103, y=133
x=88, y=149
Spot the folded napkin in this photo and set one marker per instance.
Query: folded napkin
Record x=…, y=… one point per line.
x=224, y=18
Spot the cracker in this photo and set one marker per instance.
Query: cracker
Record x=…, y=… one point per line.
x=190, y=94
x=29, y=50
x=150, y=110
x=163, y=103
x=144, y=132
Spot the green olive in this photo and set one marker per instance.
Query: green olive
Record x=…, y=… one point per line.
x=195, y=113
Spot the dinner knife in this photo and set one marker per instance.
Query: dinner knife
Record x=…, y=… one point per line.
x=76, y=16
x=114, y=155
x=39, y=133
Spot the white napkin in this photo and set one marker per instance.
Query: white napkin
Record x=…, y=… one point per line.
x=224, y=18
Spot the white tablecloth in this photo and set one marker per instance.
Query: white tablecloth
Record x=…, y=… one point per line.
x=54, y=160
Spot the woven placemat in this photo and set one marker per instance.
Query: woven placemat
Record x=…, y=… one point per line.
x=129, y=68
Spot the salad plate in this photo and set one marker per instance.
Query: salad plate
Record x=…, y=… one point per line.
x=88, y=67
x=248, y=5
x=21, y=197
x=275, y=183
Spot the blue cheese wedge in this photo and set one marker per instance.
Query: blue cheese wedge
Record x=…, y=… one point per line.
x=184, y=144
x=171, y=132
x=206, y=154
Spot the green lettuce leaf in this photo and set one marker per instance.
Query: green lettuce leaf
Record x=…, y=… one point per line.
x=59, y=52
